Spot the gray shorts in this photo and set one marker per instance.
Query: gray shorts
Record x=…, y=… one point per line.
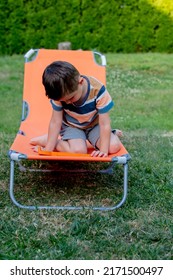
x=90, y=134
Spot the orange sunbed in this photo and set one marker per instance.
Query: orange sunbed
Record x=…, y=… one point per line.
x=36, y=113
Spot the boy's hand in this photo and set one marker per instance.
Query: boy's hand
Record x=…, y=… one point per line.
x=36, y=148
x=98, y=154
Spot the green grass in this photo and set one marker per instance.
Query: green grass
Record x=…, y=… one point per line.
x=141, y=86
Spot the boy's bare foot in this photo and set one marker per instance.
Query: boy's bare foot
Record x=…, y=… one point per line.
x=118, y=132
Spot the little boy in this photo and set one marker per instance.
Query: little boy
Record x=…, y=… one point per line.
x=80, y=112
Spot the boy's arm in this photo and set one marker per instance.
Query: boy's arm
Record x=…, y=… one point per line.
x=105, y=134
x=54, y=129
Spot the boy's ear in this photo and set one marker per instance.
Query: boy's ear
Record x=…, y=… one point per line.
x=81, y=79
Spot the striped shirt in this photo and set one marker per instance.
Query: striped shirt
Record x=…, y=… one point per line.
x=96, y=101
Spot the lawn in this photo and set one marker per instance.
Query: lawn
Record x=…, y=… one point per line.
x=141, y=86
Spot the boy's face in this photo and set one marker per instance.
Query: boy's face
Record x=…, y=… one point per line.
x=76, y=95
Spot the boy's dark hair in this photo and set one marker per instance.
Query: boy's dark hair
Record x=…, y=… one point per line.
x=59, y=79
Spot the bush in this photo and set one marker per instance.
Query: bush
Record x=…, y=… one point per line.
x=108, y=26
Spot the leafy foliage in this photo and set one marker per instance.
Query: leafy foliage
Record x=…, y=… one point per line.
x=108, y=26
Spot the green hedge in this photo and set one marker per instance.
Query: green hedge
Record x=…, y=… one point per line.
x=104, y=25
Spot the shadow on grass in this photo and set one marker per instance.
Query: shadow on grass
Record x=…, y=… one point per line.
x=69, y=188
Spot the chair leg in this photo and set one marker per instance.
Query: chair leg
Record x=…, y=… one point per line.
x=124, y=197
x=11, y=189
x=30, y=207
x=125, y=187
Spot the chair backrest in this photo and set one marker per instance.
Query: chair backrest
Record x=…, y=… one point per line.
x=39, y=108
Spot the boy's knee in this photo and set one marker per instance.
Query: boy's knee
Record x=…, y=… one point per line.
x=79, y=149
x=114, y=148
